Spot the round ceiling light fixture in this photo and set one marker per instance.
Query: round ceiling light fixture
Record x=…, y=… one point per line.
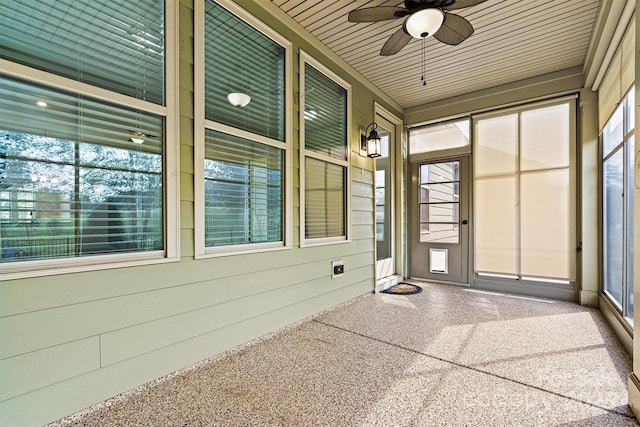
x=238, y=99
x=424, y=23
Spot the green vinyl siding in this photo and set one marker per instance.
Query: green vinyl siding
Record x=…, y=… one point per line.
x=106, y=331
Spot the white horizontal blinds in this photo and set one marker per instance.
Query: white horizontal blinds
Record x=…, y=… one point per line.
x=619, y=77
x=324, y=199
x=439, y=202
x=241, y=59
x=523, y=193
x=243, y=191
x=325, y=114
x=75, y=117
x=441, y=136
x=117, y=45
x=72, y=181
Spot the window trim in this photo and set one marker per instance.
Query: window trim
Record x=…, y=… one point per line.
x=305, y=58
x=171, y=160
x=201, y=123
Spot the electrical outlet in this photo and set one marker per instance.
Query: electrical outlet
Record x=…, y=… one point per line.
x=337, y=269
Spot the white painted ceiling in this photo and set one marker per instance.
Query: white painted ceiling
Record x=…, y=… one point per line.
x=513, y=40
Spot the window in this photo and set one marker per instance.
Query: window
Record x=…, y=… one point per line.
x=324, y=130
x=441, y=136
x=439, y=202
x=618, y=141
x=526, y=156
x=83, y=160
x=241, y=195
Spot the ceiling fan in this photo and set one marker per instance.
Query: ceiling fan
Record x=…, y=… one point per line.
x=424, y=18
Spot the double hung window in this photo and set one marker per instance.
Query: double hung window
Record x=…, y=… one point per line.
x=84, y=123
x=324, y=125
x=242, y=148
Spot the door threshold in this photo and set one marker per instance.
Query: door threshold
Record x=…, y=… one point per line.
x=442, y=282
x=387, y=282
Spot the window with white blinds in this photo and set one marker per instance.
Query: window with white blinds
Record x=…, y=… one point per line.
x=324, y=142
x=244, y=150
x=324, y=199
x=81, y=175
x=117, y=45
x=243, y=191
x=241, y=59
x=325, y=114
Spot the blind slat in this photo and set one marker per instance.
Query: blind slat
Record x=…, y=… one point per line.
x=117, y=45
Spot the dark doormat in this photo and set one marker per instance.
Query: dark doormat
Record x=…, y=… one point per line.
x=403, y=288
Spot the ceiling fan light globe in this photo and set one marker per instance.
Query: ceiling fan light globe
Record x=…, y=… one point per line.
x=424, y=23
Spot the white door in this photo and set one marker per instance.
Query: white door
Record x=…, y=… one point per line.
x=384, y=199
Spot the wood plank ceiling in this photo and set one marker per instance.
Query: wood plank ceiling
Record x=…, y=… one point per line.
x=513, y=40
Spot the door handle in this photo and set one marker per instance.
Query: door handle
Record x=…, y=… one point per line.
x=465, y=222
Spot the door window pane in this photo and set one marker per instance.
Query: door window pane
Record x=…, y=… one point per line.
x=383, y=198
x=439, y=202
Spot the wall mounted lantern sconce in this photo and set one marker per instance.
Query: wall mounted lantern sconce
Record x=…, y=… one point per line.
x=370, y=144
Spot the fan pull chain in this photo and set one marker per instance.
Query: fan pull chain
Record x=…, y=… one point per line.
x=424, y=82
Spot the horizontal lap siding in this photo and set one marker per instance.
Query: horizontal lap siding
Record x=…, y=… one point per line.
x=69, y=341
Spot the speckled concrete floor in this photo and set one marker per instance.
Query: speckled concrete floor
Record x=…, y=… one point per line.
x=445, y=357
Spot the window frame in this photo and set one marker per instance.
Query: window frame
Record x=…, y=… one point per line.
x=518, y=111
x=626, y=104
x=201, y=123
x=305, y=58
x=171, y=160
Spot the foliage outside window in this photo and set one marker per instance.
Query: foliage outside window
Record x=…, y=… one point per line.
x=325, y=153
x=244, y=153
x=73, y=182
x=618, y=142
x=243, y=191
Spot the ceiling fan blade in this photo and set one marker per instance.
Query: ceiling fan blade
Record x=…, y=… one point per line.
x=395, y=43
x=378, y=13
x=454, y=30
x=459, y=4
